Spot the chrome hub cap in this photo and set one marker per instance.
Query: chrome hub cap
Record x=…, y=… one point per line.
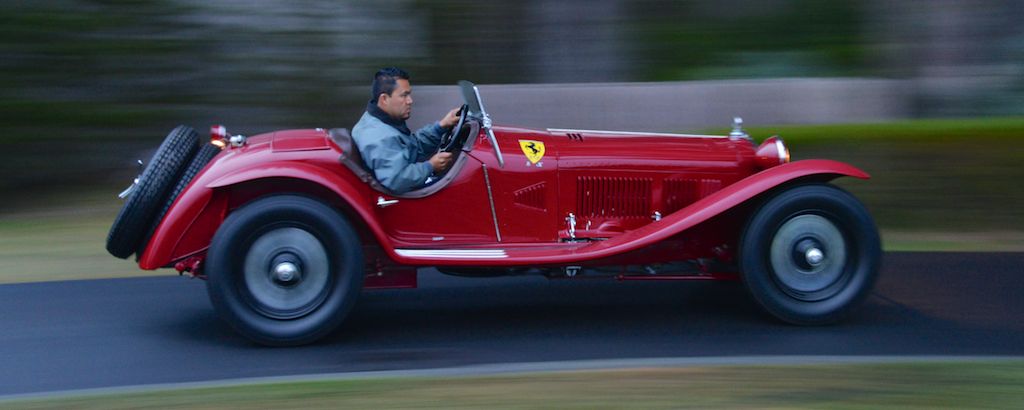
x=287, y=272
x=814, y=256
x=808, y=256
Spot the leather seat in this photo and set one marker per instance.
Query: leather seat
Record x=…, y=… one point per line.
x=350, y=158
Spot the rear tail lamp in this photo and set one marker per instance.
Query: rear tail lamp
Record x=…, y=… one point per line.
x=772, y=152
x=219, y=136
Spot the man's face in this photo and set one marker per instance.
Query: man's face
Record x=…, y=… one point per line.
x=398, y=105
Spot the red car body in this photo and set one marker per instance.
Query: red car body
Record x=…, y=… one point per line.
x=558, y=202
x=612, y=181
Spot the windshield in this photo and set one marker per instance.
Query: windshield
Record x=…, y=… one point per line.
x=469, y=95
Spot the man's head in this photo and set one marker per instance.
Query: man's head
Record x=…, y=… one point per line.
x=393, y=93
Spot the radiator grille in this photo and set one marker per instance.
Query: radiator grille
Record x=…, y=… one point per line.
x=614, y=197
x=680, y=193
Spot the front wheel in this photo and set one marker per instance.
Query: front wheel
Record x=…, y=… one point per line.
x=284, y=270
x=810, y=254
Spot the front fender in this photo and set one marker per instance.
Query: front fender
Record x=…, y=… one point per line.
x=195, y=216
x=819, y=170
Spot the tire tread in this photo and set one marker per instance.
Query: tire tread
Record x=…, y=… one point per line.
x=137, y=212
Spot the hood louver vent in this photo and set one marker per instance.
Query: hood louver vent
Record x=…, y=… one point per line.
x=613, y=197
x=679, y=193
x=531, y=197
x=575, y=136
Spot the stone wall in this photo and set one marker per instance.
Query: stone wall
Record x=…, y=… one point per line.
x=677, y=106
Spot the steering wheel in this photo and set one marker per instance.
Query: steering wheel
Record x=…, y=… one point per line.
x=449, y=140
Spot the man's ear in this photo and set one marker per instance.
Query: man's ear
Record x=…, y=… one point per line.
x=380, y=97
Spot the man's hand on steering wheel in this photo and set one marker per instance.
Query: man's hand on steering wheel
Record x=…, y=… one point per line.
x=440, y=162
x=450, y=119
x=453, y=121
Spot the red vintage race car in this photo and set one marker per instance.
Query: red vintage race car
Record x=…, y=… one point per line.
x=288, y=227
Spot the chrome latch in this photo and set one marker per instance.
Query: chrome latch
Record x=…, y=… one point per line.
x=128, y=191
x=571, y=225
x=237, y=140
x=135, y=182
x=656, y=216
x=383, y=203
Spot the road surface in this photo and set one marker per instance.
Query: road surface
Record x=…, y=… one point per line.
x=118, y=332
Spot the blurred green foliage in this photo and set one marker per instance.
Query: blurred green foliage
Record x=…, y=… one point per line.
x=665, y=40
x=690, y=40
x=998, y=131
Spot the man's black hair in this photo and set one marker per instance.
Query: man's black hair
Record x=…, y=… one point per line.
x=384, y=81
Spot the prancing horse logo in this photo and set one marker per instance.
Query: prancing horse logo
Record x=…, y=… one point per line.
x=534, y=150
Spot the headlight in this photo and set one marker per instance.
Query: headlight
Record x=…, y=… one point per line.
x=772, y=152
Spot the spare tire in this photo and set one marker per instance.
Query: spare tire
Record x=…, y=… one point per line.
x=199, y=161
x=151, y=191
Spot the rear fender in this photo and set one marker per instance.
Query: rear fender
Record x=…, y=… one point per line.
x=199, y=211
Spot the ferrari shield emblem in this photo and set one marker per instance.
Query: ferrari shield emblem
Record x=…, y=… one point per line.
x=534, y=150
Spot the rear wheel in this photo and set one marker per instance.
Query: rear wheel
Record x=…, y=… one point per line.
x=284, y=270
x=810, y=254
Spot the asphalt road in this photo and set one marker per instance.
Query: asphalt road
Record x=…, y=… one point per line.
x=104, y=333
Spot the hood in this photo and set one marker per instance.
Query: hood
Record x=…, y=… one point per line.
x=602, y=149
x=300, y=140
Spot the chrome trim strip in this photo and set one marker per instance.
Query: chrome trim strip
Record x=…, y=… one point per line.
x=492, y=252
x=490, y=198
x=381, y=202
x=653, y=134
x=453, y=253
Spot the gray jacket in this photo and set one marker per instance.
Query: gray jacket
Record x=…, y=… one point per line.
x=398, y=159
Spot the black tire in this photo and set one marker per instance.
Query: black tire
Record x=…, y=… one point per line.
x=199, y=161
x=810, y=254
x=161, y=172
x=269, y=233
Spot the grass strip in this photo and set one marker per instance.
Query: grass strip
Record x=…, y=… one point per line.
x=63, y=240
x=839, y=386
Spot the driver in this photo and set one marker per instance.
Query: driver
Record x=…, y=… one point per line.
x=400, y=159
